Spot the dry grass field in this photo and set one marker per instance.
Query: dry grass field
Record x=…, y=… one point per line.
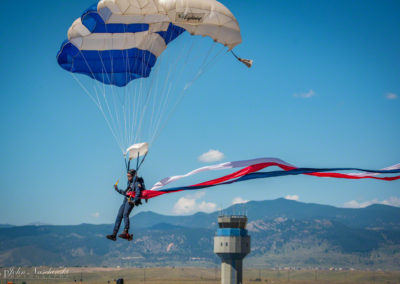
x=186, y=275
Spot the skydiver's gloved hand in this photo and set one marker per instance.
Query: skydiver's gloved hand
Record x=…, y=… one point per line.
x=116, y=187
x=137, y=202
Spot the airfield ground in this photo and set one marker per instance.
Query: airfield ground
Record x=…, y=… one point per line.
x=177, y=275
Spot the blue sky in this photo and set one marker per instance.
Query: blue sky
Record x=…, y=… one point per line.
x=324, y=91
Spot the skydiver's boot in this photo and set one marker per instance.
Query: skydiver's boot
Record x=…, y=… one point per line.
x=125, y=235
x=112, y=237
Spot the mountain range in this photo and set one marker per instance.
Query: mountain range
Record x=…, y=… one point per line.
x=285, y=233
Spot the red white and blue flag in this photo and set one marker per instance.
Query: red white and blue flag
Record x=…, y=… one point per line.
x=252, y=169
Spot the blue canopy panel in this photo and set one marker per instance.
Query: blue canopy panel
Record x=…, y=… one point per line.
x=171, y=33
x=115, y=67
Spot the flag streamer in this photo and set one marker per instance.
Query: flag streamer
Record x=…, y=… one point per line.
x=251, y=169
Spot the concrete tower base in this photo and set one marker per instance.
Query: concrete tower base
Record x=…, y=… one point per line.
x=232, y=271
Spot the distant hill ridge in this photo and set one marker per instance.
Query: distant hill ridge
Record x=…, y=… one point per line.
x=284, y=233
x=375, y=215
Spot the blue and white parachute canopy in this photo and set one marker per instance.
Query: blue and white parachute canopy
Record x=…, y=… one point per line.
x=117, y=41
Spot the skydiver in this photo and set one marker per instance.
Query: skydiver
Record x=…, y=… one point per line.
x=136, y=185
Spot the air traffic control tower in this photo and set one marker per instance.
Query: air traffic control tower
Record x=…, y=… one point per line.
x=232, y=244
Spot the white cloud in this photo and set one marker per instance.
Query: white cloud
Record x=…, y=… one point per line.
x=239, y=200
x=189, y=204
x=207, y=207
x=307, y=95
x=356, y=204
x=391, y=96
x=211, y=156
x=392, y=201
x=197, y=195
x=184, y=206
x=292, y=197
x=95, y=214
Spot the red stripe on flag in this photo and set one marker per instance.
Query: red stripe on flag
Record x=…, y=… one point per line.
x=243, y=172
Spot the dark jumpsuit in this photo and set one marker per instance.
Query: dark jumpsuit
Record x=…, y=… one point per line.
x=126, y=206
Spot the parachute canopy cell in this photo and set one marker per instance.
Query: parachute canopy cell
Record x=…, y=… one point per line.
x=117, y=41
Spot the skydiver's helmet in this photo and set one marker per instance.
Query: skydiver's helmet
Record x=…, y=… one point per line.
x=132, y=173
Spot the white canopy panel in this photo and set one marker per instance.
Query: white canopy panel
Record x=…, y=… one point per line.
x=198, y=17
x=137, y=150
